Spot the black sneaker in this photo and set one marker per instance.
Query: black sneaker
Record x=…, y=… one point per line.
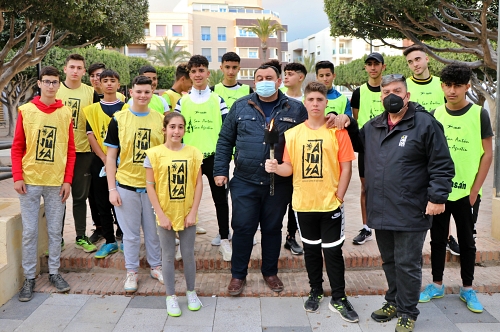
x=119, y=234
x=386, y=313
x=315, y=298
x=26, y=293
x=58, y=282
x=96, y=235
x=345, y=309
x=292, y=245
x=452, y=246
x=362, y=237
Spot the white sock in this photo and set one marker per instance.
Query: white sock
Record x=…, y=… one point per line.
x=367, y=228
x=437, y=285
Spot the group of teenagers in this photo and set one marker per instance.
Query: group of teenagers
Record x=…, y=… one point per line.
x=423, y=154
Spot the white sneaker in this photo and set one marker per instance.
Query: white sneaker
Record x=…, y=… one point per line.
x=156, y=273
x=131, y=282
x=194, y=303
x=226, y=250
x=216, y=240
x=254, y=241
x=173, y=306
x=178, y=255
x=177, y=241
x=200, y=230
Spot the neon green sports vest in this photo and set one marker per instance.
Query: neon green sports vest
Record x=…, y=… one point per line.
x=203, y=123
x=229, y=95
x=336, y=105
x=463, y=134
x=430, y=95
x=369, y=105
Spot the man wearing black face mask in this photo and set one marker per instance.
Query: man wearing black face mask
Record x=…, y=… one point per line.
x=408, y=172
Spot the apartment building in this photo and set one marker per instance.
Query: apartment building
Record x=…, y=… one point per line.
x=212, y=28
x=338, y=50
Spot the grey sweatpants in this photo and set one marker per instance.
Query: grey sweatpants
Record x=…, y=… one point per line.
x=167, y=240
x=136, y=211
x=54, y=212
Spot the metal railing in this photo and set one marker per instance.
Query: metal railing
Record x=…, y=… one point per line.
x=5, y=172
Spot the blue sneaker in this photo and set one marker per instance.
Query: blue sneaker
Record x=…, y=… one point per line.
x=469, y=297
x=121, y=247
x=106, y=249
x=431, y=292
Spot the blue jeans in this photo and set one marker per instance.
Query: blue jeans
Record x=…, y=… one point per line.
x=401, y=254
x=252, y=205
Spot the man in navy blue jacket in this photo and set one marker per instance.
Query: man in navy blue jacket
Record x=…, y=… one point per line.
x=244, y=129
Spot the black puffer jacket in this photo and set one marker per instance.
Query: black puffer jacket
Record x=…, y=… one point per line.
x=244, y=127
x=404, y=169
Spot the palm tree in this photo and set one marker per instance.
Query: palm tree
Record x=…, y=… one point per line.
x=168, y=53
x=216, y=76
x=263, y=29
x=310, y=63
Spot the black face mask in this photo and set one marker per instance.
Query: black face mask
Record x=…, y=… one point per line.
x=393, y=103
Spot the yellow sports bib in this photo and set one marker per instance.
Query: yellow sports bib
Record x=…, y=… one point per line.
x=136, y=134
x=77, y=100
x=47, y=139
x=175, y=175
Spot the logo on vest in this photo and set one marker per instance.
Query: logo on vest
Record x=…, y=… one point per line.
x=142, y=141
x=312, y=162
x=46, y=144
x=103, y=132
x=402, y=141
x=74, y=104
x=177, y=174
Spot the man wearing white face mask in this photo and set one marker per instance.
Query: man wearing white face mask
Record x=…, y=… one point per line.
x=408, y=172
x=244, y=128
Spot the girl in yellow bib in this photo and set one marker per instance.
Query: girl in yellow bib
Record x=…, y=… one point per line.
x=174, y=187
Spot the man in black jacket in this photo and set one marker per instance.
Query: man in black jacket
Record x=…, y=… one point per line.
x=244, y=129
x=408, y=172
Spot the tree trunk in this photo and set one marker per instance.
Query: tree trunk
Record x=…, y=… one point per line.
x=12, y=118
x=264, y=50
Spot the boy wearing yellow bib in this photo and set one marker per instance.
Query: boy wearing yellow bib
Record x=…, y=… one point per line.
x=204, y=112
x=320, y=160
x=469, y=134
x=157, y=103
x=181, y=85
x=130, y=133
x=77, y=96
x=366, y=104
x=43, y=158
x=95, y=70
x=230, y=89
x=98, y=117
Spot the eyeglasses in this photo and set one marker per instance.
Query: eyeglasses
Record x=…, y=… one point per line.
x=48, y=83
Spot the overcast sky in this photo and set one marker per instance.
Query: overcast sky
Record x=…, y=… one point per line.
x=303, y=17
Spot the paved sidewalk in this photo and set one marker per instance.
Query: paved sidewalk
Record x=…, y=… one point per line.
x=60, y=312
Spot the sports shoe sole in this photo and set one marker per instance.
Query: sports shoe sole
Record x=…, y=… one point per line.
x=382, y=320
x=452, y=252
x=473, y=310
x=429, y=300
x=332, y=308
x=109, y=253
x=86, y=250
x=286, y=246
x=363, y=242
x=174, y=315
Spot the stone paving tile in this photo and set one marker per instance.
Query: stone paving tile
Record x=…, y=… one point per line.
x=67, y=300
x=148, y=302
x=9, y=325
x=51, y=317
x=483, y=327
x=431, y=318
x=99, y=312
x=237, y=314
x=457, y=311
x=283, y=311
x=288, y=329
x=16, y=310
x=203, y=317
x=182, y=328
x=141, y=319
